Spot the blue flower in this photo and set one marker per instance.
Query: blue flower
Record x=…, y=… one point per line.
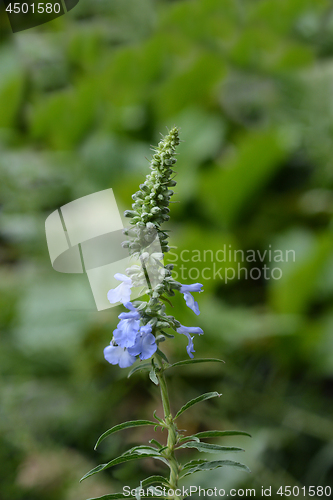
x=195, y=287
x=127, y=329
x=187, y=330
x=117, y=355
x=189, y=299
x=131, y=315
x=190, y=346
x=145, y=345
x=123, y=291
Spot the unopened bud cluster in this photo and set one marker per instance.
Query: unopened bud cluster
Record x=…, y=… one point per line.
x=151, y=202
x=150, y=210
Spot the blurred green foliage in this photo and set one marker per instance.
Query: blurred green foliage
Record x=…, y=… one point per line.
x=81, y=99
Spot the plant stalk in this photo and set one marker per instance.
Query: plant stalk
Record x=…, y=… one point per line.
x=172, y=429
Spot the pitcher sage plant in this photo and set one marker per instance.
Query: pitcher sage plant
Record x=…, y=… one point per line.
x=145, y=325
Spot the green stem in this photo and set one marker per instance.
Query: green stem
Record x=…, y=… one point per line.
x=171, y=426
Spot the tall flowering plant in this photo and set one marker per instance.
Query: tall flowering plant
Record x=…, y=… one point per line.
x=142, y=328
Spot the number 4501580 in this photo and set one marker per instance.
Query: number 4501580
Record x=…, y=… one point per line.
x=40, y=8
x=311, y=491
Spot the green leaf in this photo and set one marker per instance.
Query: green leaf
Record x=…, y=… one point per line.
x=194, y=401
x=99, y=468
x=162, y=355
x=169, y=335
x=209, y=448
x=154, y=479
x=153, y=376
x=158, y=418
x=121, y=459
x=166, y=300
x=209, y=434
x=154, y=441
x=120, y=427
x=190, y=464
x=142, y=450
x=198, y=360
x=140, y=367
x=215, y=464
x=189, y=438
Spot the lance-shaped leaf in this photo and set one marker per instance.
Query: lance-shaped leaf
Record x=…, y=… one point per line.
x=126, y=457
x=162, y=355
x=209, y=448
x=120, y=427
x=166, y=334
x=159, y=419
x=153, y=480
x=203, y=397
x=153, y=376
x=215, y=464
x=140, y=367
x=155, y=442
x=189, y=438
x=211, y=434
x=195, y=360
x=142, y=449
x=192, y=463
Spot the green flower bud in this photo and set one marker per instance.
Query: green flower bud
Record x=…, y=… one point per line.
x=130, y=213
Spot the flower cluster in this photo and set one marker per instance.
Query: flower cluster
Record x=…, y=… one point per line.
x=135, y=334
x=130, y=340
x=142, y=328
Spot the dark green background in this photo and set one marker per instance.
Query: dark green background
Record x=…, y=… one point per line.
x=81, y=100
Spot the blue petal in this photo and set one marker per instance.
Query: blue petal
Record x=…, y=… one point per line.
x=117, y=355
x=191, y=303
x=190, y=329
x=126, y=359
x=146, y=329
x=190, y=346
x=126, y=332
x=123, y=278
x=122, y=293
x=111, y=354
x=129, y=306
x=129, y=315
x=195, y=287
x=144, y=347
x=149, y=346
